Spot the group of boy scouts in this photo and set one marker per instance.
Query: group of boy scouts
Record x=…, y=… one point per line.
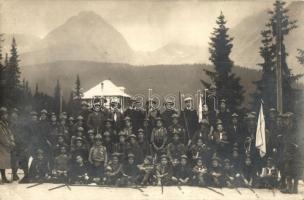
x=149, y=147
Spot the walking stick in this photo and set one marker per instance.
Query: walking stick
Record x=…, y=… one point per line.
x=31, y=186
x=180, y=188
x=250, y=188
x=213, y=190
x=60, y=186
x=162, y=185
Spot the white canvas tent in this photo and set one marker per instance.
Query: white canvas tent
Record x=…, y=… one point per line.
x=108, y=90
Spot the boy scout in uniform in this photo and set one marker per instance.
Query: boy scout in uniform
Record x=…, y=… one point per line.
x=163, y=171
x=108, y=143
x=175, y=149
x=216, y=172
x=200, y=173
x=127, y=129
x=39, y=170
x=78, y=173
x=176, y=128
x=130, y=172
x=249, y=173
x=61, y=166
x=143, y=142
x=183, y=173
x=269, y=175
x=134, y=148
x=201, y=151
x=159, y=138
x=98, y=159
x=121, y=147
x=146, y=171
x=79, y=149
x=114, y=171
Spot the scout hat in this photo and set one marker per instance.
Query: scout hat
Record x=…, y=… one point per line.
x=174, y=116
x=215, y=157
x=188, y=99
x=158, y=119
x=219, y=122
x=80, y=129
x=79, y=117
x=127, y=118
x=132, y=136
x=235, y=115
x=184, y=157
x=121, y=133
x=131, y=155
x=33, y=113
x=79, y=139
x=3, y=111
x=106, y=133
x=98, y=137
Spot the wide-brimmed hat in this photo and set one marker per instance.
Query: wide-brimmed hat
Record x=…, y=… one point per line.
x=3, y=110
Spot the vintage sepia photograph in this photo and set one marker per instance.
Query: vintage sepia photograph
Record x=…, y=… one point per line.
x=151, y=99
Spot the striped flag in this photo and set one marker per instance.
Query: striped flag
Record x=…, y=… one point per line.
x=260, y=140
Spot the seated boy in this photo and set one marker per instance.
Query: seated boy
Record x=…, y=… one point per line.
x=39, y=170
x=182, y=175
x=200, y=173
x=146, y=171
x=269, y=175
x=130, y=172
x=216, y=172
x=61, y=166
x=78, y=172
x=114, y=171
x=164, y=172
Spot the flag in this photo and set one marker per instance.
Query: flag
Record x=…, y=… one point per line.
x=260, y=140
x=200, y=109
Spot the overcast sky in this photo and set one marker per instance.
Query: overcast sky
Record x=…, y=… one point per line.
x=146, y=25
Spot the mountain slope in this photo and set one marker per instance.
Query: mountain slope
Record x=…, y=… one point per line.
x=163, y=79
x=83, y=37
x=25, y=42
x=173, y=53
x=247, y=38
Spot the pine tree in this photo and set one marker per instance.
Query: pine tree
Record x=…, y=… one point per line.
x=279, y=21
x=13, y=67
x=265, y=87
x=70, y=104
x=227, y=84
x=2, y=73
x=78, y=90
x=36, y=89
x=300, y=57
x=12, y=84
x=77, y=95
x=57, y=97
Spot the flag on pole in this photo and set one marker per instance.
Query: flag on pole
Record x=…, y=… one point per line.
x=200, y=109
x=260, y=140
